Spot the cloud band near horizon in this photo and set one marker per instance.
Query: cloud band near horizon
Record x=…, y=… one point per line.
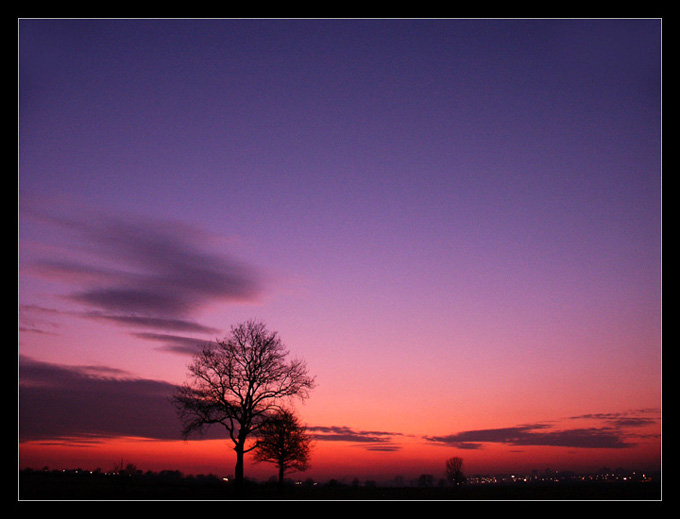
x=616, y=432
x=57, y=401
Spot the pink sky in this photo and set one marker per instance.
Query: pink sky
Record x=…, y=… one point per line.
x=455, y=223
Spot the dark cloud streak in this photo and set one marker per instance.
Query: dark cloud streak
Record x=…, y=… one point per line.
x=64, y=401
x=622, y=420
x=153, y=322
x=371, y=440
x=173, y=343
x=165, y=270
x=146, y=272
x=614, y=434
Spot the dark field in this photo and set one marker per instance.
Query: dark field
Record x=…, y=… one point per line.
x=35, y=485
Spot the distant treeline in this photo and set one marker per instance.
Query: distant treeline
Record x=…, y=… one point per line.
x=173, y=485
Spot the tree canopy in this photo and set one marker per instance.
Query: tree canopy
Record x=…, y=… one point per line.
x=239, y=383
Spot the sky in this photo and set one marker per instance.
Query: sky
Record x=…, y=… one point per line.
x=455, y=223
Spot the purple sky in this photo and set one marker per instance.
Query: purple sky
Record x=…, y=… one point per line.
x=474, y=203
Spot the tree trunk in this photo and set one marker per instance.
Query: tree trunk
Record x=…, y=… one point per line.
x=238, y=470
x=281, y=473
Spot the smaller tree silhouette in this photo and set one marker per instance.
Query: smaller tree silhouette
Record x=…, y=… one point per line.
x=284, y=441
x=454, y=471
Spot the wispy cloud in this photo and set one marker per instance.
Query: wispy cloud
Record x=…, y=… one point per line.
x=638, y=418
x=371, y=440
x=38, y=319
x=137, y=321
x=143, y=273
x=614, y=431
x=173, y=343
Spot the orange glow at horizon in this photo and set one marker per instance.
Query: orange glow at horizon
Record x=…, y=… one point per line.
x=343, y=461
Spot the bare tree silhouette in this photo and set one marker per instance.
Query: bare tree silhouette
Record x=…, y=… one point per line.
x=238, y=383
x=284, y=441
x=454, y=471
